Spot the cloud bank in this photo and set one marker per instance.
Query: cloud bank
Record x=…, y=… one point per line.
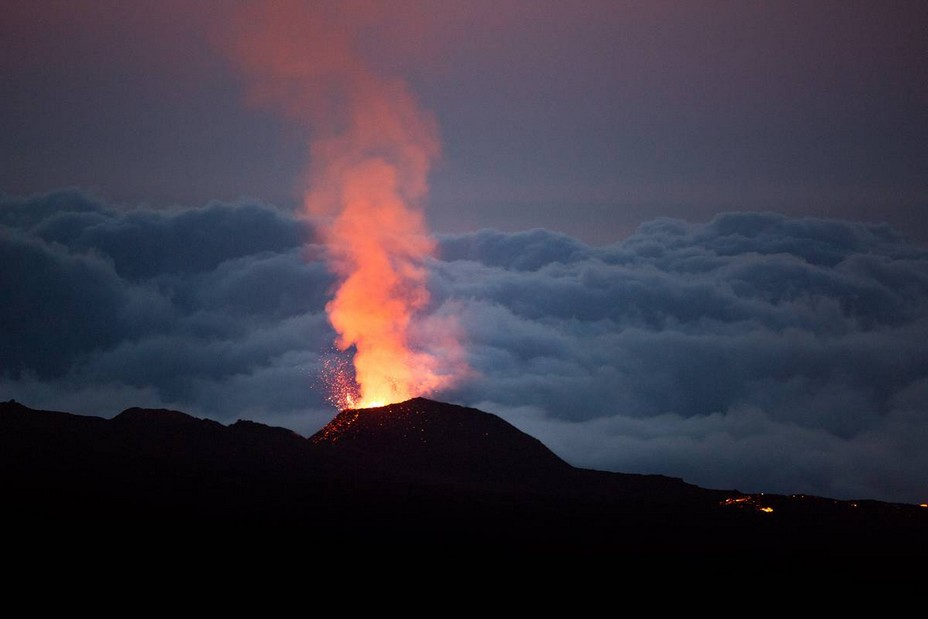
x=754, y=351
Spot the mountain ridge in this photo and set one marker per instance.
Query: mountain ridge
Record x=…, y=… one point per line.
x=430, y=473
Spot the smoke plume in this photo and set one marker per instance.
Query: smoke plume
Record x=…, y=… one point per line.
x=370, y=151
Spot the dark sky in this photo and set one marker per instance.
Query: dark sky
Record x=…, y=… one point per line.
x=586, y=118
x=684, y=238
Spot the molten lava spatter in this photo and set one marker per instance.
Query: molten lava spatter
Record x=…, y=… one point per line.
x=338, y=381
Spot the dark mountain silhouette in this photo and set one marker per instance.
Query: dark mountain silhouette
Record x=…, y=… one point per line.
x=441, y=442
x=421, y=476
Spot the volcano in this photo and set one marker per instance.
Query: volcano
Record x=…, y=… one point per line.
x=438, y=442
x=419, y=475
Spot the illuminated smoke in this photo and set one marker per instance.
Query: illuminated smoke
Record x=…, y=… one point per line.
x=370, y=152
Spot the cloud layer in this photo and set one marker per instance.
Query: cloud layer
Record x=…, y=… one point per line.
x=755, y=351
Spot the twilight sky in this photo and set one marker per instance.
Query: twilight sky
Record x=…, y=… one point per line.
x=680, y=237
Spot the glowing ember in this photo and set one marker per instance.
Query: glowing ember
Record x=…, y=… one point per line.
x=338, y=378
x=747, y=500
x=371, y=149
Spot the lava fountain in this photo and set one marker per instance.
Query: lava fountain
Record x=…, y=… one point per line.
x=371, y=149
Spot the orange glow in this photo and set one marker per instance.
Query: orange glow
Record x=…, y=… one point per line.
x=736, y=500
x=747, y=500
x=371, y=149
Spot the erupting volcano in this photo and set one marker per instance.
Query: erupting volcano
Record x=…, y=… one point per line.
x=371, y=149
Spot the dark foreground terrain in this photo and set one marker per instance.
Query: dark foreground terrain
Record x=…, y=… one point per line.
x=416, y=477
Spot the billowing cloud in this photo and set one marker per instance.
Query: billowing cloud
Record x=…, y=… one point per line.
x=755, y=351
x=202, y=309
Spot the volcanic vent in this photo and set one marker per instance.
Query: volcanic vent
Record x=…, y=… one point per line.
x=436, y=440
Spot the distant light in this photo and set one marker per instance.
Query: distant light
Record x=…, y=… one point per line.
x=766, y=509
x=923, y=505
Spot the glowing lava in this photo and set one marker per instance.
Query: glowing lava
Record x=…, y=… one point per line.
x=749, y=501
x=377, y=246
x=371, y=148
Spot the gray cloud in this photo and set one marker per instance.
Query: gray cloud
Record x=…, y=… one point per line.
x=58, y=305
x=211, y=310
x=754, y=351
x=144, y=243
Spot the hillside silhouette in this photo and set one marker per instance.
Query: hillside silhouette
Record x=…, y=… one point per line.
x=420, y=475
